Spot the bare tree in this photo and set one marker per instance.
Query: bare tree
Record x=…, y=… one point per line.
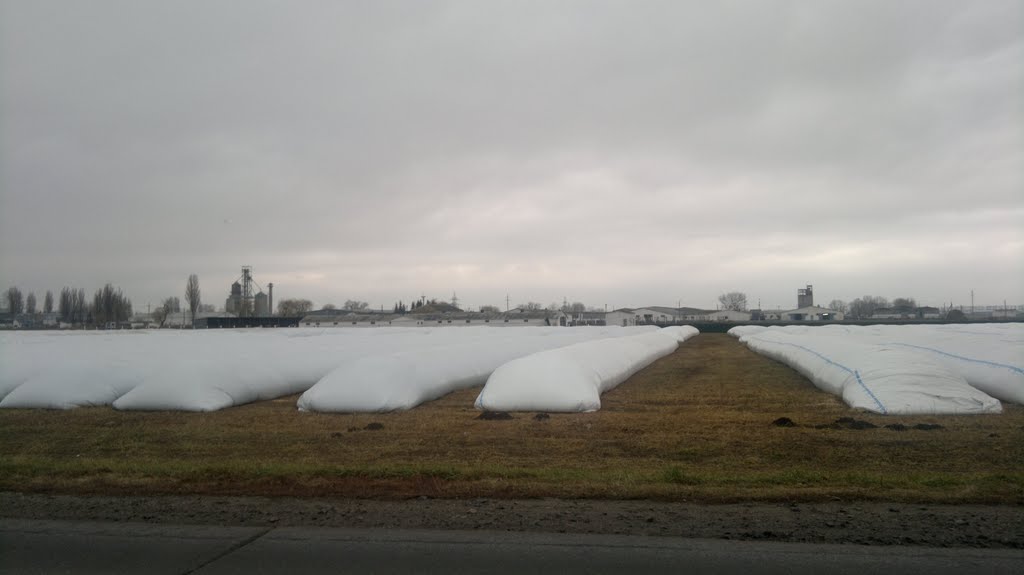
x=72, y=305
x=15, y=301
x=30, y=304
x=64, y=305
x=734, y=300
x=904, y=304
x=160, y=315
x=166, y=308
x=80, y=307
x=956, y=315
x=837, y=305
x=531, y=306
x=109, y=305
x=489, y=309
x=294, y=307
x=192, y=296
x=355, y=305
x=48, y=302
x=864, y=307
x=329, y=306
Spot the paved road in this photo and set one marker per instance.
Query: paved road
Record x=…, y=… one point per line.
x=32, y=546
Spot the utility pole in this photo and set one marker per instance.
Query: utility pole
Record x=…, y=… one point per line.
x=506, y=303
x=972, y=301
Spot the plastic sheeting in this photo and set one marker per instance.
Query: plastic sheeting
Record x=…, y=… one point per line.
x=887, y=369
x=572, y=378
x=208, y=370
x=403, y=380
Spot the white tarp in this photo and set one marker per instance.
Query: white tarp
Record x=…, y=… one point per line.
x=206, y=370
x=989, y=356
x=405, y=379
x=572, y=378
x=199, y=370
x=242, y=367
x=58, y=370
x=884, y=369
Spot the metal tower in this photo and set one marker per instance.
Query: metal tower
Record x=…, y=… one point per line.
x=246, y=306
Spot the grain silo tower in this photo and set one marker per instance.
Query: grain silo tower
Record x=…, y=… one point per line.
x=805, y=297
x=234, y=301
x=245, y=301
x=260, y=299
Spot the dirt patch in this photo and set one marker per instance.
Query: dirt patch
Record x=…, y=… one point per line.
x=374, y=425
x=835, y=522
x=859, y=424
x=851, y=423
x=495, y=415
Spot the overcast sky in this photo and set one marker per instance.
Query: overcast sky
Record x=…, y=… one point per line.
x=621, y=153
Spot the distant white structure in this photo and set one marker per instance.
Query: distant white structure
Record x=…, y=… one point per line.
x=513, y=318
x=890, y=313
x=622, y=317
x=728, y=315
x=813, y=313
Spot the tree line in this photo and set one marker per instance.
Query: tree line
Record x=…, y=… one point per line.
x=866, y=306
x=860, y=308
x=109, y=304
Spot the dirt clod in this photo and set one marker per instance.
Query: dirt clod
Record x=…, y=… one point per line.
x=374, y=426
x=784, y=422
x=851, y=423
x=495, y=415
x=541, y=416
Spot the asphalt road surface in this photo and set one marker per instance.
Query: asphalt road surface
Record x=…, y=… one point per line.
x=43, y=546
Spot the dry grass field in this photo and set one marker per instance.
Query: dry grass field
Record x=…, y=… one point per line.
x=696, y=426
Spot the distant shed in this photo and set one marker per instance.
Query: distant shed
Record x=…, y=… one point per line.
x=237, y=322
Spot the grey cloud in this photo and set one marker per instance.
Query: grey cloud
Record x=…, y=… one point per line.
x=626, y=151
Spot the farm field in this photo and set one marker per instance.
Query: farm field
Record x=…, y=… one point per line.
x=696, y=425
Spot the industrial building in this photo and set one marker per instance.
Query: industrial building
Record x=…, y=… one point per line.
x=512, y=318
x=807, y=311
x=242, y=302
